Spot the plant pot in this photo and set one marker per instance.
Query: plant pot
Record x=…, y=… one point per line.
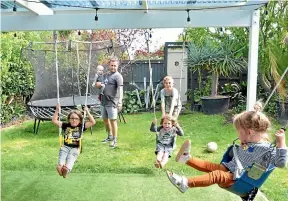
x=197, y=107
x=282, y=112
x=215, y=105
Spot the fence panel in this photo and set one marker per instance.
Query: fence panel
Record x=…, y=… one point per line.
x=135, y=73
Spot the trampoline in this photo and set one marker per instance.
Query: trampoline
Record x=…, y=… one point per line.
x=76, y=68
x=44, y=109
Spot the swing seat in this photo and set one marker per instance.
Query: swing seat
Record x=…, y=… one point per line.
x=251, y=179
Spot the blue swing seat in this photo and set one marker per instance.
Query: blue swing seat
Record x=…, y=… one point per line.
x=245, y=184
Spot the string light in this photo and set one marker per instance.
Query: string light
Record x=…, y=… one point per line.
x=144, y=9
x=221, y=31
x=96, y=16
x=266, y=9
x=188, y=18
x=14, y=7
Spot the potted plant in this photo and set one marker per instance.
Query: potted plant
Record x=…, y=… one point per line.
x=278, y=56
x=218, y=59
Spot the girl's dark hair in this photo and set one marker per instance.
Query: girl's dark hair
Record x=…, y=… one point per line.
x=78, y=113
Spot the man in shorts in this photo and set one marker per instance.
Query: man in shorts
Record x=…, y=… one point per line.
x=111, y=100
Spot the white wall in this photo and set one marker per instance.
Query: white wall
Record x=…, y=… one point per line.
x=175, y=71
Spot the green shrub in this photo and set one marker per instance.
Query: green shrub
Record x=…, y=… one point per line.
x=17, y=77
x=131, y=103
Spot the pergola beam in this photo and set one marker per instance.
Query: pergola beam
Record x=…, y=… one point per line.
x=21, y=21
x=36, y=7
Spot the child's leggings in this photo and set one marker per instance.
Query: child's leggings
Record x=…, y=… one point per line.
x=217, y=174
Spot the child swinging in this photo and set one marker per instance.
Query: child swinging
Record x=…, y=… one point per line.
x=252, y=132
x=165, y=139
x=69, y=151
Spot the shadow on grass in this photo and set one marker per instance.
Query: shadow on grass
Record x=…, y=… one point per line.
x=116, y=170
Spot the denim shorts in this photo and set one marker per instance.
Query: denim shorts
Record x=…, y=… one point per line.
x=68, y=156
x=164, y=148
x=109, y=112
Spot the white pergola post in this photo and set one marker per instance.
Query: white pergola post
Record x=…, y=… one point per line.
x=253, y=60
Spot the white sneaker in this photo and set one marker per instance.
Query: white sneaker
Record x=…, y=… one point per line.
x=184, y=153
x=180, y=182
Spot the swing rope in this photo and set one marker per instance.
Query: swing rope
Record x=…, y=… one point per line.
x=78, y=68
x=277, y=84
x=58, y=93
x=86, y=93
x=152, y=90
x=147, y=35
x=181, y=70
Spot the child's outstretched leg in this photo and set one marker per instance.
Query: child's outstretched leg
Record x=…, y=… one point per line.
x=165, y=159
x=223, y=179
x=184, y=156
x=159, y=159
x=217, y=173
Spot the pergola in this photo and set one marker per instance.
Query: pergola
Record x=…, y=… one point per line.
x=36, y=15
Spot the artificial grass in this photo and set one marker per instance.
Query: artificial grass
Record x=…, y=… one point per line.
x=47, y=186
x=27, y=153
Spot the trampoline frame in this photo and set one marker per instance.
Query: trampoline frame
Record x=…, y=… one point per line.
x=94, y=110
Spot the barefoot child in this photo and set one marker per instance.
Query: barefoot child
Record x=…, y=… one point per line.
x=165, y=138
x=72, y=133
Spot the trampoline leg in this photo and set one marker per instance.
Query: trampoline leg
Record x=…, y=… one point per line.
x=119, y=116
x=38, y=126
x=122, y=117
x=34, y=127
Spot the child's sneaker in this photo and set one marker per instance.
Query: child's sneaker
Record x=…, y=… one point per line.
x=180, y=182
x=113, y=144
x=184, y=153
x=65, y=171
x=108, y=139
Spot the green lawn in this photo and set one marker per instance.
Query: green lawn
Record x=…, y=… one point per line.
x=126, y=173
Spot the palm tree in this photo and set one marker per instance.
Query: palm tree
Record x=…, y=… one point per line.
x=278, y=56
x=219, y=59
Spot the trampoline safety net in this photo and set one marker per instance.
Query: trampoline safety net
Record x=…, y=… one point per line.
x=74, y=59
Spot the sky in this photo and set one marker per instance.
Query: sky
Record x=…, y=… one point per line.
x=160, y=36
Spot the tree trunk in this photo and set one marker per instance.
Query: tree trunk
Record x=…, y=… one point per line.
x=214, y=89
x=265, y=84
